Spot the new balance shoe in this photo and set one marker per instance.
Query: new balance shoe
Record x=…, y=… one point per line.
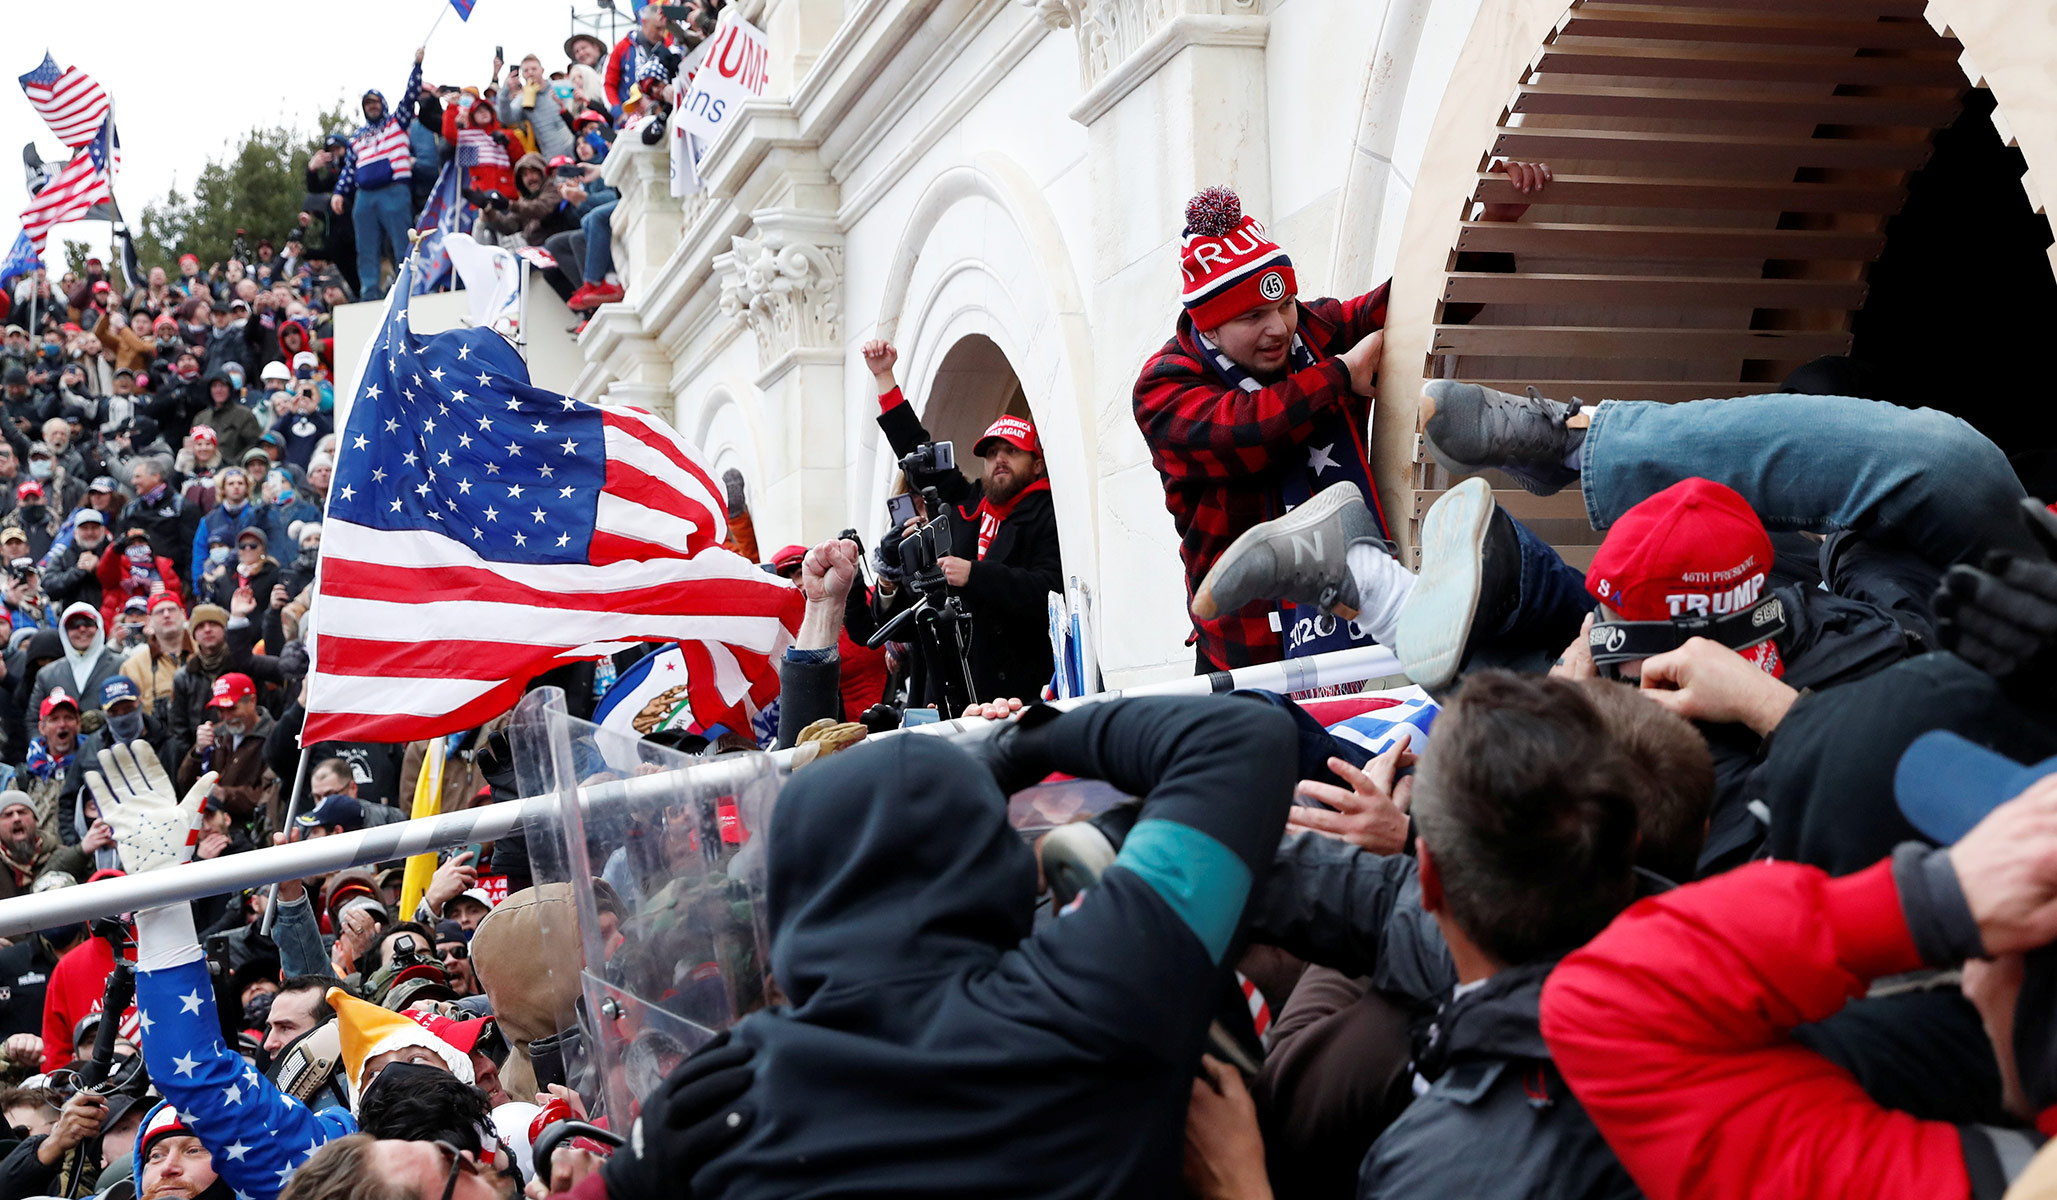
x=1301, y=557
x=1469, y=583
x=1530, y=437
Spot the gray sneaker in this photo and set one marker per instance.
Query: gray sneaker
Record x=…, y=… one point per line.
x=1299, y=557
x=1468, y=579
x=1475, y=428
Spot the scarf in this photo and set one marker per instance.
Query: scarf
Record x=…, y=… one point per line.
x=990, y=514
x=1336, y=453
x=44, y=765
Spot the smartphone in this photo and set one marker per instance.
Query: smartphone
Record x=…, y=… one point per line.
x=900, y=509
x=919, y=716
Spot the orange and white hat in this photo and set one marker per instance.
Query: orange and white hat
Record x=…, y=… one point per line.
x=367, y=1030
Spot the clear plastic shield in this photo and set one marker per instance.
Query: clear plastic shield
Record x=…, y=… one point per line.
x=661, y=853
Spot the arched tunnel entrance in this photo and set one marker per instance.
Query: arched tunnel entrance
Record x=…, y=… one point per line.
x=1742, y=186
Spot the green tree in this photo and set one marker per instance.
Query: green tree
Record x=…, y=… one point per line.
x=75, y=255
x=258, y=189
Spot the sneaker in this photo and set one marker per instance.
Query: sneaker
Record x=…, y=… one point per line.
x=582, y=299
x=1302, y=557
x=1470, y=581
x=1475, y=428
x=605, y=292
x=1074, y=856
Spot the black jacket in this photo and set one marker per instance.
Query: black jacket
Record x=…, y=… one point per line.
x=934, y=1045
x=170, y=522
x=1008, y=588
x=1497, y=1119
x=67, y=583
x=24, y=979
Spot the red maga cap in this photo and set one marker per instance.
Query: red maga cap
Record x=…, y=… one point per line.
x=1014, y=431
x=230, y=688
x=1694, y=549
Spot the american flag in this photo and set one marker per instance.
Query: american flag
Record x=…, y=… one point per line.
x=70, y=101
x=87, y=180
x=446, y=212
x=481, y=530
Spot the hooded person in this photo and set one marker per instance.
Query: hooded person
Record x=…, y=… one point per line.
x=481, y=144
x=378, y=168
x=512, y=952
x=235, y=426
x=87, y=664
x=136, y=569
x=936, y=1040
x=171, y=1160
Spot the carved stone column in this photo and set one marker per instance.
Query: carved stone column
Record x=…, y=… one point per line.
x=783, y=281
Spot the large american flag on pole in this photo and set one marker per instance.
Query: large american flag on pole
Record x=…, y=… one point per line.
x=481, y=531
x=87, y=180
x=71, y=102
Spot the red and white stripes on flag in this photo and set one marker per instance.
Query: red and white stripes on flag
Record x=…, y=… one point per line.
x=417, y=636
x=70, y=101
x=68, y=197
x=481, y=530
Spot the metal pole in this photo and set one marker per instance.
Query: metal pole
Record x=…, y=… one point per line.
x=296, y=860
x=271, y=898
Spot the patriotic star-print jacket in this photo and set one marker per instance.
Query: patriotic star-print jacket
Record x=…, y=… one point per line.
x=1220, y=449
x=257, y=1134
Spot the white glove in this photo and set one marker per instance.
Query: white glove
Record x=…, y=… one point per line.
x=151, y=829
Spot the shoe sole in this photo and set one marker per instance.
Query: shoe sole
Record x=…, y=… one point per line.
x=1436, y=620
x=1074, y=857
x=1317, y=509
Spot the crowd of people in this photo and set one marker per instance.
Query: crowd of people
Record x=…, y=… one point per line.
x=1726, y=866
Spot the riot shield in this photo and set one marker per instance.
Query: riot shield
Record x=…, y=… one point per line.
x=665, y=876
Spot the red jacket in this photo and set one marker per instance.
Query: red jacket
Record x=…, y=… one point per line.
x=1673, y=1028
x=490, y=172
x=1216, y=447
x=118, y=582
x=78, y=985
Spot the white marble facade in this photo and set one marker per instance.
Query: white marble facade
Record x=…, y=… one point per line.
x=932, y=171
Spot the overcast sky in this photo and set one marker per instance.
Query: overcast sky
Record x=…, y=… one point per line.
x=189, y=77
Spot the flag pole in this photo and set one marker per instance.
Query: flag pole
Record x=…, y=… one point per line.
x=441, y=9
x=271, y=897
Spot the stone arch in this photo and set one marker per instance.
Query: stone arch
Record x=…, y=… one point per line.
x=1725, y=171
x=729, y=432
x=981, y=260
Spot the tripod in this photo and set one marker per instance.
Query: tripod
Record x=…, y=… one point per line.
x=947, y=625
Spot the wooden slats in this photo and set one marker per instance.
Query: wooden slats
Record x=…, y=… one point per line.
x=1799, y=26
x=1636, y=191
x=1534, y=143
x=1645, y=103
x=1665, y=242
x=1854, y=9
x=1655, y=290
x=1568, y=505
x=1664, y=391
x=1596, y=56
x=1571, y=341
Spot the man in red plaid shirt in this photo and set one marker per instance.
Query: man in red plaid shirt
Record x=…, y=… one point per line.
x=1259, y=402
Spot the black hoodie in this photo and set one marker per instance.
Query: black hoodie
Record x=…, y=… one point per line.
x=935, y=1046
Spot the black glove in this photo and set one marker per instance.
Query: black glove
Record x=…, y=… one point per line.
x=885, y=558
x=2001, y=616
x=1014, y=752
x=692, y=1117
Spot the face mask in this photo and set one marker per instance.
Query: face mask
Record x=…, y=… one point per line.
x=127, y=727
x=33, y=512
x=217, y=554
x=306, y=559
x=40, y=468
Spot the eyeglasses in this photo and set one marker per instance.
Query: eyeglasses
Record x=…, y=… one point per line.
x=461, y=1163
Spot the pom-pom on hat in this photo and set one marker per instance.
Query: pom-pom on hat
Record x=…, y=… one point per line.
x=368, y=1031
x=1229, y=264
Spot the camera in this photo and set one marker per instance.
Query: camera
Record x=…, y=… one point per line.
x=930, y=458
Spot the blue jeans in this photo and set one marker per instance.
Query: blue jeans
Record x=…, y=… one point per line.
x=1911, y=478
x=599, y=230
x=381, y=219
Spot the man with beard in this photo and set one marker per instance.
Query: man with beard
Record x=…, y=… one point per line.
x=232, y=746
x=1003, y=559
x=27, y=851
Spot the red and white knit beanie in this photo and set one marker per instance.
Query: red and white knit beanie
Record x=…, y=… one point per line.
x=1230, y=265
